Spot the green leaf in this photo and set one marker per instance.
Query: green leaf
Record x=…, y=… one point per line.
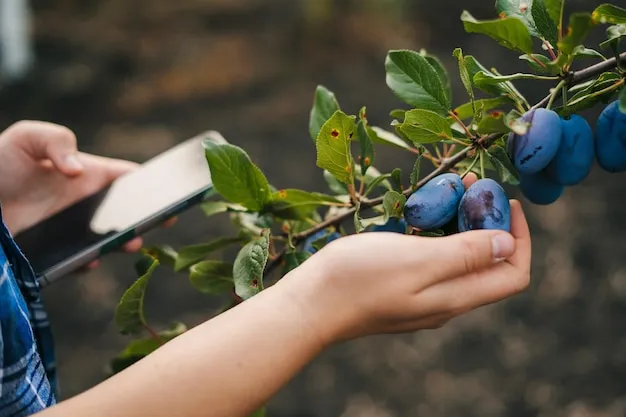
x=411, y=77
x=366, y=147
x=614, y=34
x=166, y=255
x=212, y=277
x=396, y=178
x=465, y=112
x=294, y=259
x=545, y=26
x=609, y=13
x=533, y=14
x=334, y=185
x=503, y=165
x=249, y=266
x=466, y=79
x=140, y=348
x=546, y=66
x=581, y=51
x=441, y=71
x=506, y=89
x=513, y=120
x=487, y=78
x=591, y=94
x=622, y=100
x=555, y=10
x=381, y=136
x=129, y=314
x=358, y=224
x=509, y=32
x=580, y=24
x=235, y=177
x=424, y=126
x=393, y=203
x=324, y=106
x=381, y=180
x=415, y=173
x=333, y=146
x=397, y=114
x=493, y=123
x=211, y=208
x=189, y=255
x=297, y=204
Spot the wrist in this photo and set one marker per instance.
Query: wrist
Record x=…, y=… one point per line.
x=309, y=290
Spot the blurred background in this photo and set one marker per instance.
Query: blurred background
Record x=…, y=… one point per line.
x=134, y=77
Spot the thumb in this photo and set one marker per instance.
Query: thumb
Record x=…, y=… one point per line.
x=471, y=251
x=49, y=141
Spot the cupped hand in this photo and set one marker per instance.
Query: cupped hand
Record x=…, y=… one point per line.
x=42, y=172
x=374, y=283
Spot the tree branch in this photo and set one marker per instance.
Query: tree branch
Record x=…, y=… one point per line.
x=571, y=79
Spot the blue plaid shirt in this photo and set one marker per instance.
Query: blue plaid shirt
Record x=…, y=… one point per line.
x=27, y=368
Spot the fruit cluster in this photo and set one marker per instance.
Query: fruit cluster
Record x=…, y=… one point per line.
x=557, y=152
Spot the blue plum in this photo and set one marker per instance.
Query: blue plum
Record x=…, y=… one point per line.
x=484, y=206
x=394, y=225
x=611, y=139
x=308, y=244
x=540, y=189
x=574, y=159
x=533, y=151
x=436, y=203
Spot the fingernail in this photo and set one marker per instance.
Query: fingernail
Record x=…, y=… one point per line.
x=502, y=246
x=72, y=162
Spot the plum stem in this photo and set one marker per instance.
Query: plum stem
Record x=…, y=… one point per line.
x=555, y=92
x=469, y=169
x=482, y=164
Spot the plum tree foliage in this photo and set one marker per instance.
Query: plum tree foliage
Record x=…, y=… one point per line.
x=493, y=132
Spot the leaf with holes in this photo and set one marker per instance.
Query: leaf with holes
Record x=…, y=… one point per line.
x=413, y=79
x=235, y=177
x=212, y=277
x=509, y=32
x=324, y=106
x=189, y=255
x=249, y=266
x=333, y=146
x=129, y=314
x=393, y=203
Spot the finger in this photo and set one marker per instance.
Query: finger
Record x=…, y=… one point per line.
x=110, y=168
x=134, y=245
x=469, y=179
x=49, y=141
x=521, y=232
x=463, y=253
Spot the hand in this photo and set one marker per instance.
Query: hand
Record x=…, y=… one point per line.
x=374, y=283
x=42, y=172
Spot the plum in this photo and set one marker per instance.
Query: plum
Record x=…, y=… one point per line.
x=308, y=244
x=394, y=225
x=574, y=158
x=540, y=189
x=484, y=206
x=533, y=151
x=434, y=204
x=611, y=139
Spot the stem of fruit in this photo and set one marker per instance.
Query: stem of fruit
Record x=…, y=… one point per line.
x=153, y=334
x=574, y=78
x=482, y=164
x=469, y=169
x=555, y=92
x=550, y=50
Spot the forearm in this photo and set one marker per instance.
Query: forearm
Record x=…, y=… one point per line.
x=228, y=366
